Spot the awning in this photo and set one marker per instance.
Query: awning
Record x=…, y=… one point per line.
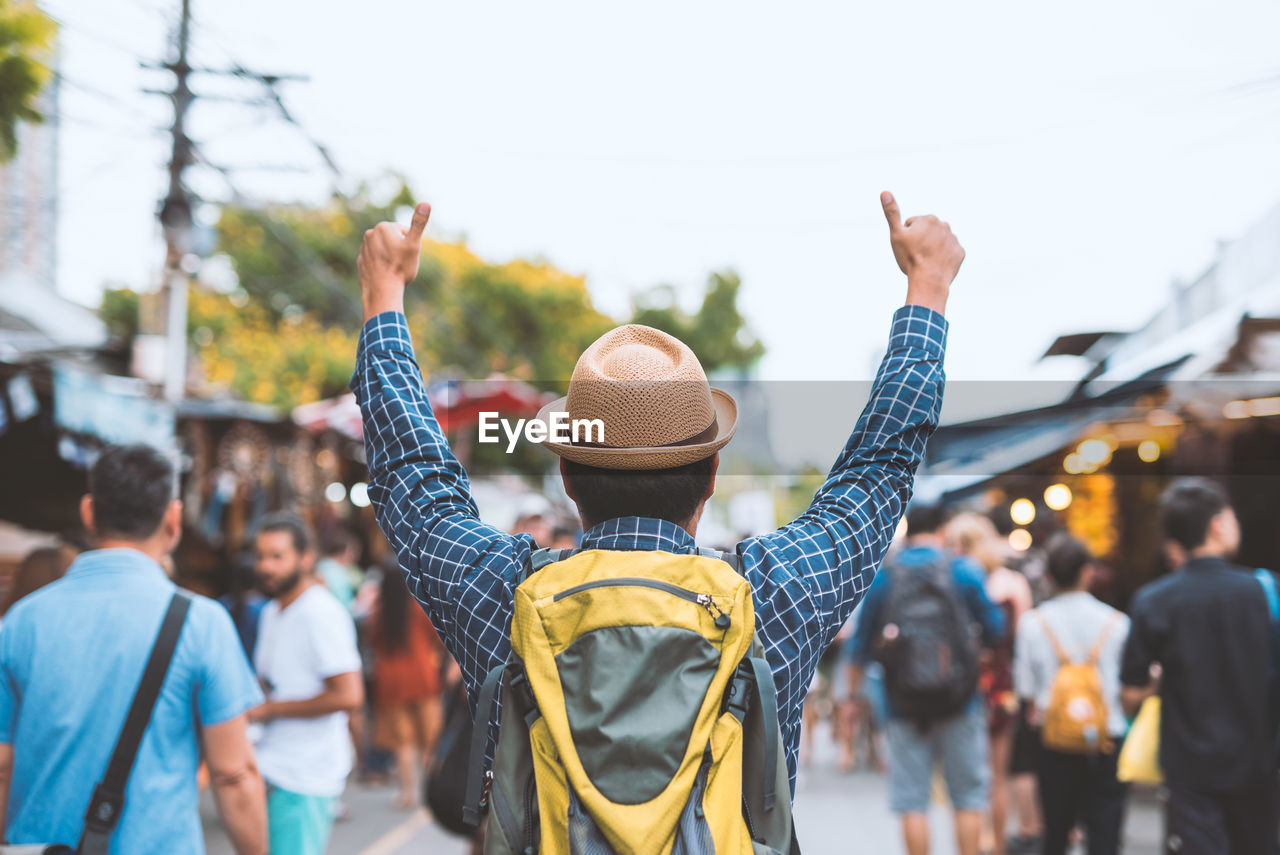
x=456, y=405
x=962, y=457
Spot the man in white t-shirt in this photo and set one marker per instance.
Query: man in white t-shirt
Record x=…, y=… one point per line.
x=309, y=667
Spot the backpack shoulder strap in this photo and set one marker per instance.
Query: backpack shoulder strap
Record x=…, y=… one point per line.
x=540, y=558
x=476, y=798
x=1063, y=658
x=1268, y=583
x=754, y=672
x=108, y=798
x=733, y=559
x=1096, y=653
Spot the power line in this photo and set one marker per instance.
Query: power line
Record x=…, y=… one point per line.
x=273, y=97
x=176, y=208
x=97, y=35
x=302, y=253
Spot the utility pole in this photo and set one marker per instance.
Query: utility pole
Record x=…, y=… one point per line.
x=160, y=350
x=175, y=218
x=164, y=328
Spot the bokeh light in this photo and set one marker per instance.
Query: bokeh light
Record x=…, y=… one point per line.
x=1057, y=497
x=1022, y=511
x=1094, y=452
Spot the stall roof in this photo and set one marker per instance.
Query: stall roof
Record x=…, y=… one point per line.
x=35, y=319
x=968, y=454
x=227, y=408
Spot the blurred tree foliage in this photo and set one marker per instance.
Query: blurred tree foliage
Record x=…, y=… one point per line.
x=287, y=334
x=26, y=41
x=717, y=332
x=119, y=311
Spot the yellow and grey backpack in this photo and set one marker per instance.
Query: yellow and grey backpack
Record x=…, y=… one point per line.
x=638, y=714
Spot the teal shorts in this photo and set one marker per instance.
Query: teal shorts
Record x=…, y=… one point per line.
x=298, y=824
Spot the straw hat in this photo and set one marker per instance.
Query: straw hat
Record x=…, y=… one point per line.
x=652, y=396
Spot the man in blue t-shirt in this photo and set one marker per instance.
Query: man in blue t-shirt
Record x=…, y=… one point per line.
x=71, y=656
x=957, y=742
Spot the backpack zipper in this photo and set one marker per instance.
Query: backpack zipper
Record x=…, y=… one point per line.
x=746, y=814
x=530, y=800
x=721, y=619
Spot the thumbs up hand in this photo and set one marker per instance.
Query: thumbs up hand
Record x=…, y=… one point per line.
x=388, y=262
x=926, y=251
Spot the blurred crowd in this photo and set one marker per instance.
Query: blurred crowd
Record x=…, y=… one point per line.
x=997, y=680
x=1029, y=744
x=332, y=670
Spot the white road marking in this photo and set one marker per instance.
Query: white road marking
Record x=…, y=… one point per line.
x=388, y=843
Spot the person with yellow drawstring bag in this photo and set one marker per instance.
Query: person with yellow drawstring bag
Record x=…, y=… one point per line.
x=1067, y=667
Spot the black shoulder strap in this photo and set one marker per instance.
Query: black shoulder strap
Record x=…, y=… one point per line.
x=733, y=559
x=540, y=558
x=477, y=790
x=108, y=799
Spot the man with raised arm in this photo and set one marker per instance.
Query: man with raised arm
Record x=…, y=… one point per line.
x=644, y=487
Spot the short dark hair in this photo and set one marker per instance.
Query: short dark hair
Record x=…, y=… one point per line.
x=1068, y=556
x=291, y=523
x=925, y=518
x=1187, y=507
x=665, y=494
x=131, y=486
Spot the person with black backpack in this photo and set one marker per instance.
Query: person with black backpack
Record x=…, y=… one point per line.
x=925, y=619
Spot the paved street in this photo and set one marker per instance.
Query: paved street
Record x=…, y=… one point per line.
x=837, y=814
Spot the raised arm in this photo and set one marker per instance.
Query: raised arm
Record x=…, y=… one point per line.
x=460, y=569
x=829, y=555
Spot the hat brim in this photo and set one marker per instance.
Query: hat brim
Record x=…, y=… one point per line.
x=661, y=457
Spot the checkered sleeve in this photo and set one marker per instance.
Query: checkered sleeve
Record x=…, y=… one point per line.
x=809, y=575
x=462, y=571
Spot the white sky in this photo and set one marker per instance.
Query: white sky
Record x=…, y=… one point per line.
x=1084, y=153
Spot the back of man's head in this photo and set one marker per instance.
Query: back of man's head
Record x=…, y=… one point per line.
x=131, y=487
x=1187, y=508
x=924, y=518
x=1068, y=558
x=668, y=494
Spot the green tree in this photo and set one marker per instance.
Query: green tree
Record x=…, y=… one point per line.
x=470, y=318
x=303, y=257
x=287, y=334
x=717, y=332
x=26, y=40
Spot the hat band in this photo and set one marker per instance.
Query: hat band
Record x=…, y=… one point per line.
x=705, y=435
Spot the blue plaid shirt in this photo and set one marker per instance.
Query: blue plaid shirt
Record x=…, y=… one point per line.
x=806, y=577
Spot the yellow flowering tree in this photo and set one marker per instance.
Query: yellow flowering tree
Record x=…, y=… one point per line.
x=287, y=333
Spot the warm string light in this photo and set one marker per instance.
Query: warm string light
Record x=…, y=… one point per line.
x=1022, y=511
x=1057, y=497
